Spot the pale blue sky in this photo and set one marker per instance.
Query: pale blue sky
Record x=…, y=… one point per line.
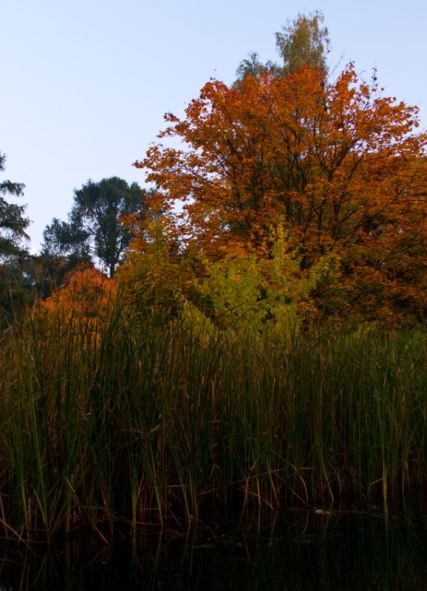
x=85, y=83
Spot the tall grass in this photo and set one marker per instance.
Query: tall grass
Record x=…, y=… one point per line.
x=139, y=422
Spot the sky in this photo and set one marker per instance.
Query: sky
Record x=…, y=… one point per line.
x=84, y=84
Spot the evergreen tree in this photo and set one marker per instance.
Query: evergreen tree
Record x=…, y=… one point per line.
x=12, y=221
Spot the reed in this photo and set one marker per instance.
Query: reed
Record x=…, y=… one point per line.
x=136, y=421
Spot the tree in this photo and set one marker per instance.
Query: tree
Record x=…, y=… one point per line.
x=253, y=66
x=16, y=291
x=341, y=168
x=95, y=227
x=85, y=299
x=12, y=221
x=302, y=42
x=14, y=287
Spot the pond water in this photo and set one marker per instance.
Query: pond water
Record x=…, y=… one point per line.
x=311, y=551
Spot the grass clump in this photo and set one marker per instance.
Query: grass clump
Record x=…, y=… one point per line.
x=133, y=421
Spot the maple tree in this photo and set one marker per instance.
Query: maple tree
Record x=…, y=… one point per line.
x=341, y=167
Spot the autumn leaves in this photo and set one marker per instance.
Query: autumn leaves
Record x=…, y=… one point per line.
x=338, y=167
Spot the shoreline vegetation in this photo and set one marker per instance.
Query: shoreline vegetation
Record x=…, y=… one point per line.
x=146, y=423
x=259, y=344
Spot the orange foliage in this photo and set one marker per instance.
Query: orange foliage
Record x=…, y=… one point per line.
x=341, y=167
x=86, y=296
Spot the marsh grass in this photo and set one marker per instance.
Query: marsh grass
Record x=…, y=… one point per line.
x=138, y=422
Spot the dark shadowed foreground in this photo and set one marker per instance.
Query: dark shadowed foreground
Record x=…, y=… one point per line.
x=311, y=551
x=130, y=424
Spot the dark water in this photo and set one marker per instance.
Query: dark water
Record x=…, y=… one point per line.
x=309, y=552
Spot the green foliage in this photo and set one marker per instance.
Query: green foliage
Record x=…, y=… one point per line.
x=253, y=66
x=95, y=229
x=302, y=42
x=12, y=221
x=16, y=290
x=68, y=239
x=264, y=293
x=14, y=285
x=155, y=277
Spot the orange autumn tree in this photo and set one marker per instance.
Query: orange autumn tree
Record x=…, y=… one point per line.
x=85, y=300
x=341, y=168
